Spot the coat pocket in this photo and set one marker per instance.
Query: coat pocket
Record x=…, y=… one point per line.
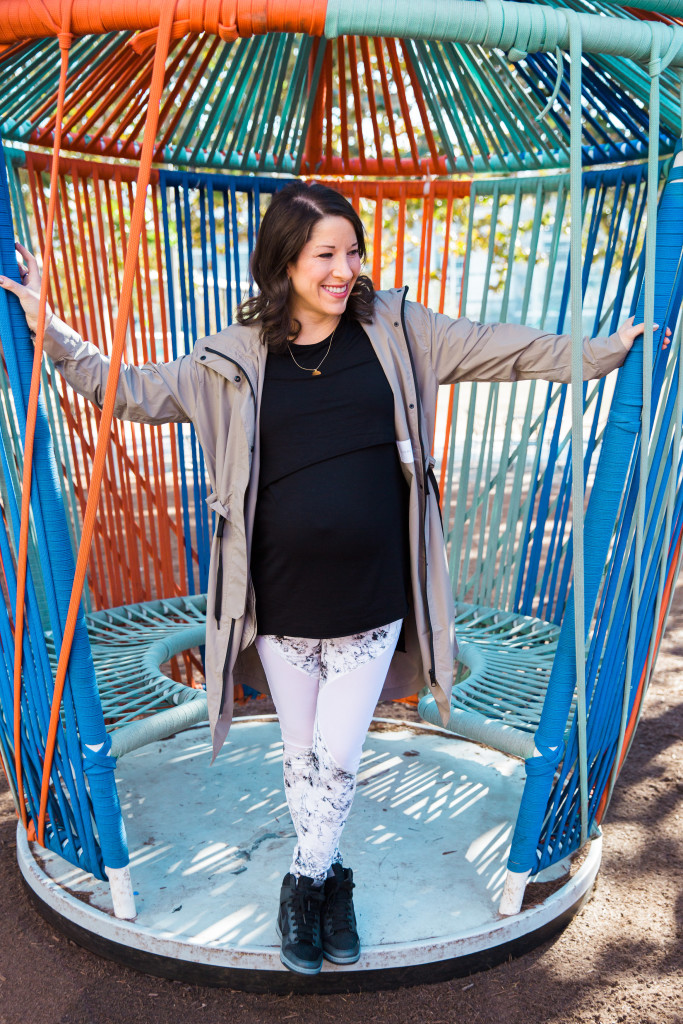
x=222, y=511
x=218, y=602
x=228, y=569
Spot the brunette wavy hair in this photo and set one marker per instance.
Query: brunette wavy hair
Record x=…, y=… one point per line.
x=286, y=227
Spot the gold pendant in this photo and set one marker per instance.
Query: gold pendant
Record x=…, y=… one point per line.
x=316, y=373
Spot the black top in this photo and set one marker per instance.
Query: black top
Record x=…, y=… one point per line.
x=330, y=547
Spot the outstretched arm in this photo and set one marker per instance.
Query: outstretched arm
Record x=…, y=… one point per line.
x=462, y=349
x=153, y=393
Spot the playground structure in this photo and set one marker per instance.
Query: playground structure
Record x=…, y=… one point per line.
x=562, y=506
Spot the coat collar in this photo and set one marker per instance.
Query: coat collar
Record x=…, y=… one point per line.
x=239, y=345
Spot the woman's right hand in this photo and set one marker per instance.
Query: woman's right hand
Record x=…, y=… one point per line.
x=28, y=292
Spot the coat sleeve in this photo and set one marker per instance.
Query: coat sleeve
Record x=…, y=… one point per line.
x=153, y=393
x=462, y=349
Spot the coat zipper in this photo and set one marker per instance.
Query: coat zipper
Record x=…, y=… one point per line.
x=425, y=486
x=431, y=476
x=218, y=602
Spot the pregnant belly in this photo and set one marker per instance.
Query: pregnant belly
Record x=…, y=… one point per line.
x=347, y=505
x=329, y=555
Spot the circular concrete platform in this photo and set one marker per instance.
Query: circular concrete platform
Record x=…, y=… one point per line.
x=428, y=839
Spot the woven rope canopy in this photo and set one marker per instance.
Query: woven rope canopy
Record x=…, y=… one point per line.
x=248, y=89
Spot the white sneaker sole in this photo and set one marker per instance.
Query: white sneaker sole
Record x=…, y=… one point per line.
x=341, y=959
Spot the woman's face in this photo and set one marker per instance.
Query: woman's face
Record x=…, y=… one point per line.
x=325, y=272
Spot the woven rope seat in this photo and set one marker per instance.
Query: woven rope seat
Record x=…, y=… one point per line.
x=505, y=663
x=501, y=684
x=504, y=667
x=130, y=645
x=512, y=162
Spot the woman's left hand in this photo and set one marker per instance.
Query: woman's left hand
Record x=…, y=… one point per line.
x=628, y=332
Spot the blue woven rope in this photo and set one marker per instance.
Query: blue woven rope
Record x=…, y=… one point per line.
x=57, y=563
x=35, y=708
x=604, y=692
x=547, y=597
x=170, y=286
x=615, y=467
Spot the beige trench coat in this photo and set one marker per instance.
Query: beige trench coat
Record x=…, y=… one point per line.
x=218, y=388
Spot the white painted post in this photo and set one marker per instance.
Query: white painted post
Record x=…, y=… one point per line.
x=513, y=892
x=122, y=896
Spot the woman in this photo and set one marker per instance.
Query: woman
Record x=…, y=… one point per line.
x=315, y=412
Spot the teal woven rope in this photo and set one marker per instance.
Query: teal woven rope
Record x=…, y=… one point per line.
x=499, y=24
x=576, y=305
x=671, y=495
x=674, y=8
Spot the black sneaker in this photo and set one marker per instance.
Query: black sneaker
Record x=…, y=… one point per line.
x=341, y=944
x=298, y=924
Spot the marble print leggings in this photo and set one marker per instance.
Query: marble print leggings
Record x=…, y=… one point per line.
x=325, y=692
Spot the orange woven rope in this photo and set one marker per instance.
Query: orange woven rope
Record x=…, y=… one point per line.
x=367, y=65
x=388, y=106
x=136, y=522
x=41, y=162
x=328, y=78
x=36, y=19
x=449, y=414
x=180, y=111
x=131, y=259
x=400, y=234
x=377, y=241
x=664, y=19
x=31, y=417
x=357, y=106
x=391, y=189
x=313, y=149
x=341, y=79
x=400, y=190
x=403, y=100
x=78, y=415
x=259, y=16
x=422, y=107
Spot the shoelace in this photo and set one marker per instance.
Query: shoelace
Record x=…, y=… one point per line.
x=339, y=910
x=306, y=915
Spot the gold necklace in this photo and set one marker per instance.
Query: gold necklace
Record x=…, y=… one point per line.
x=316, y=371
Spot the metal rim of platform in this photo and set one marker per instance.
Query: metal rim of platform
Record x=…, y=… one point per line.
x=381, y=967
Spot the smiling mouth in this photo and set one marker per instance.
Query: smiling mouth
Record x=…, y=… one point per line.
x=338, y=292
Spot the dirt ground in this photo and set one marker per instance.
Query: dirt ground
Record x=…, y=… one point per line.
x=620, y=960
